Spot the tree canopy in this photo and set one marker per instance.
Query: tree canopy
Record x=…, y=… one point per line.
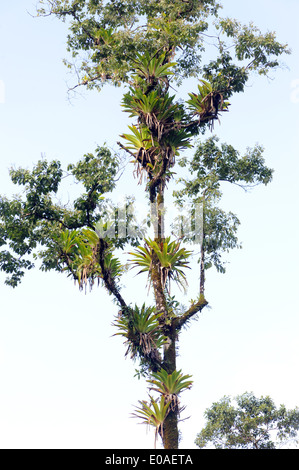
x=255, y=423
x=106, y=36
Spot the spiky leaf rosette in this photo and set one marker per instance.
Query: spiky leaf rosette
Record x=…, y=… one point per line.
x=172, y=258
x=141, y=328
x=153, y=414
x=170, y=385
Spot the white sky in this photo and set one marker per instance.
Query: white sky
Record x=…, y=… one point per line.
x=64, y=382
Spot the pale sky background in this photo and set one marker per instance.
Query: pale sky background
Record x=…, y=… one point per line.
x=64, y=381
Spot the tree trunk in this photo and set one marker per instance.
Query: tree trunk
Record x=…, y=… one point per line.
x=170, y=435
x=170, y=431
x=157, y=216
x=170, y=428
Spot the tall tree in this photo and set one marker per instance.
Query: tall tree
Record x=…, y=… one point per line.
x=146, y=47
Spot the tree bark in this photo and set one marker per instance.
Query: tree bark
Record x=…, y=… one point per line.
x=170, y=428
x=170, y=431
x=170, y=434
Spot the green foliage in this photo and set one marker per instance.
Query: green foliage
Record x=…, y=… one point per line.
x=256, y=423
x=214, y=165
x=216, y=231
x=172, y=259
x=108, y=37
x=44, y=178
x=97, y=173
x=80, y=251
x=243, y=49
x=141, y=328
x=161, y=131
x=99, y=168
x=153, y=414
x=169, y=385
x=261, y=49
x=152, y=68
x=164, y=128
x=207, y=102
x=31, y=225
x=141, y=144
x=220, y=236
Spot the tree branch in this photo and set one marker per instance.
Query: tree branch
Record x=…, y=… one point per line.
x=179, y=322
x=108, y=280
